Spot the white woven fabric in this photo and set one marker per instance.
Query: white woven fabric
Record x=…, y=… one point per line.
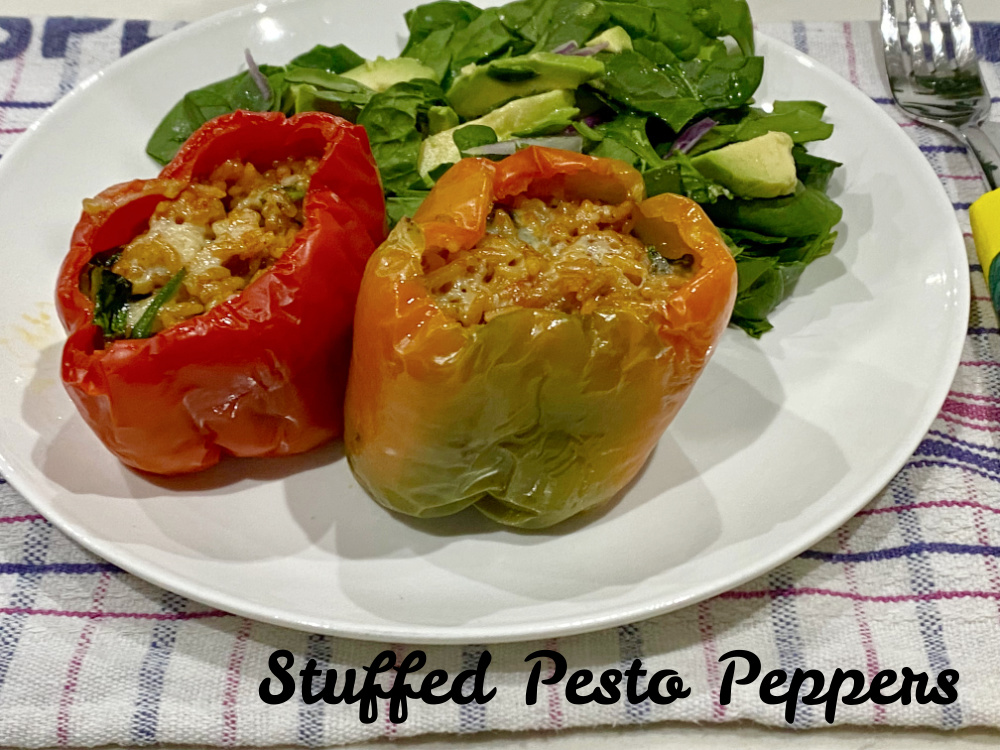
x=90, y=655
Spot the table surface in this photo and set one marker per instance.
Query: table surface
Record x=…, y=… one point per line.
x=692, y=737
x=190, y=10
x=764, y=11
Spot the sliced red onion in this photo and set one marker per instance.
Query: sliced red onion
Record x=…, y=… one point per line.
x=591, y=121
x=259, y=78
x=691, y=135
x=572, y=48
x=506, y=148
x=592, y=50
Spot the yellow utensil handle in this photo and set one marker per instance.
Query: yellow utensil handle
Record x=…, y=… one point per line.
x=984, y=215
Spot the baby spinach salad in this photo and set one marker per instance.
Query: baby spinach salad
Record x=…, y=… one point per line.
x=665, y=85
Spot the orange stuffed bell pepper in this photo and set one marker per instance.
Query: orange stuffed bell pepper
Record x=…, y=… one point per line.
x=209, y=310
x=524, y=341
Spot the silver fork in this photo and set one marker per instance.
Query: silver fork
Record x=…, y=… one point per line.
x=934, y=74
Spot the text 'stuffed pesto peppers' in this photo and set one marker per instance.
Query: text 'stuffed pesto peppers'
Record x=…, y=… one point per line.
x=521, y=345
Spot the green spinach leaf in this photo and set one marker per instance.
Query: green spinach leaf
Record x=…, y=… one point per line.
x=765, y=281
x=678, y=175
x=425, y=19
x=802, y=120
x=336, y=59
x=110, y=294
x=471, y=136
x=143, y=328
x=734, y=20
x=403, y=204
x=219, y=98
x=813, y=171
x=623, y=138
x=636, y=82
x=484, y=39
x=396, y=121
x=571, y=21
x=806, y=213
x=729, y=82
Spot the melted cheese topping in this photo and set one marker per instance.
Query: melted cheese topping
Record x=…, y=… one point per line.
x=225, y=232
x=563, y=255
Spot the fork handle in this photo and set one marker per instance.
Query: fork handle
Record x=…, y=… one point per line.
x=986, y=152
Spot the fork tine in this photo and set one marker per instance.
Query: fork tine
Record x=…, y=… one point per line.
x=938, y=51
x=894, y=63
x=913, y=42
x=961, y=35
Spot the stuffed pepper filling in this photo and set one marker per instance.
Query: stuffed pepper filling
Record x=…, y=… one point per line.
x=566, y=256
x=201, y=248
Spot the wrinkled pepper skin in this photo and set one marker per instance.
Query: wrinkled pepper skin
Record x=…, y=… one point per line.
x=262, y=374
x=535, y=415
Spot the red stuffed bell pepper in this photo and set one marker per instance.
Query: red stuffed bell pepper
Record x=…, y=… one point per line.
x=209, y=310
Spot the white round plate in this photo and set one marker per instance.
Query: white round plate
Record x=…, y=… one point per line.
x=781, y=442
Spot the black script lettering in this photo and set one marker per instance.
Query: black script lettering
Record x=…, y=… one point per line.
x=371, y=691
x=558, y=672
x=579, y=679
x=753, y=672
x=609, y=682
x=399, y=691
x=434, y=679
x=774, y=678
x=307, y=674
x=328, y=692
x=280, y=671
x=947, y=680
x=856, y=696
x=880, y=681
x=469, y=686
x=918, y=685
x=478, y=677
x=605, y=695
x=608, y=691
x=914, y=686
x=674, y=685
x=791, y=696
x=632, y=675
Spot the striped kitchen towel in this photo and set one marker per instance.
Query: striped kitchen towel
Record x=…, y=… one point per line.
x=90, y=655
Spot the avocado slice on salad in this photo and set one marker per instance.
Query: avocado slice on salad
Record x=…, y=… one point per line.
x=616, y=38
x=380, y=74
x=441, y=118
x=478, y=89
x=529, y=116
x=762, y=167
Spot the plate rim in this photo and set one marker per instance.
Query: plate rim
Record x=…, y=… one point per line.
x=567, y=625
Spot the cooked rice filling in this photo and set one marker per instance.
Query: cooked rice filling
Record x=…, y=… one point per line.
x=560, y=255
x=225, y=232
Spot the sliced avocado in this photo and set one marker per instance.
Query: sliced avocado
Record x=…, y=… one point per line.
x=312, y=89
x=762, y=167
x=379, y=74
x=304, y=97
x=479, y=89
x=441, y=118
x=617, y=38
x=530, y=115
